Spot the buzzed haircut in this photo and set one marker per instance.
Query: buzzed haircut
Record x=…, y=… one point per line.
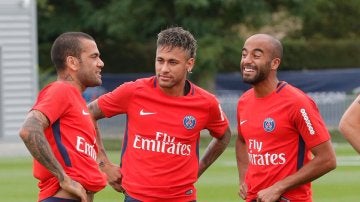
x=67, y=44
x=278, y=48
x=178, y=37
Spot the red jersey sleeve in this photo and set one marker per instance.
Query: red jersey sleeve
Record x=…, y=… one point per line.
x=50, y=101
x=218, y=122
x=117, y=101
x=309, y=122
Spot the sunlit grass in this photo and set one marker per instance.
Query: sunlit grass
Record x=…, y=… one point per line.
x=219, y=183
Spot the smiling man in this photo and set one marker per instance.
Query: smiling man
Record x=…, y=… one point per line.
x=279, y=130
x=59, y=132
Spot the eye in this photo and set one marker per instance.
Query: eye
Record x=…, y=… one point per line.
x=95, y=56
x=173, y=62
x=257, y=56
x=243, y=54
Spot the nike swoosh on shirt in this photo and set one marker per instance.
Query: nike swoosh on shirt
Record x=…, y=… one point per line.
x=242, y=122
x=143, y=113
x=85, y=113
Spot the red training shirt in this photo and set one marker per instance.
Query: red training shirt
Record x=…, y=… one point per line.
x=72, y=138
x=279, y=131
x=160, y=149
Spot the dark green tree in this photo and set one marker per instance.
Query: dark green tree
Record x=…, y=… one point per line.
x=126, y=30
x=332, y=19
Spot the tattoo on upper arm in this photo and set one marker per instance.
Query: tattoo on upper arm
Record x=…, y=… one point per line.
x=36, y=118
x=35, y=122
x=95, y=110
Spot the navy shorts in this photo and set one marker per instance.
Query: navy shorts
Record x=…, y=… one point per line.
x=130, y=199
x=56, y=199
x=282, y=199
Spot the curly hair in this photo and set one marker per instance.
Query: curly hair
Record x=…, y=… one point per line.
x=178, y=37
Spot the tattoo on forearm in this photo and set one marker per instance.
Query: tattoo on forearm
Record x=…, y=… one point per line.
x=42, y=153
x=39, y=147
x=101, y=164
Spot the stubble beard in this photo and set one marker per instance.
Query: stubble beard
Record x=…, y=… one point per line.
x=91, y=80
x=261, y=74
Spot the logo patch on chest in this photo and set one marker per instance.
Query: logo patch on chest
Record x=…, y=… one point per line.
x=189, y=122
x=269, y=124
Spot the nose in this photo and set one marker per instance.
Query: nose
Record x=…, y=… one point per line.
x=164, y=67
x=100, y=63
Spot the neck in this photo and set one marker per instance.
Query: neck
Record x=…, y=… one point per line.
x=66, y=77
x=265, y=87
x=178, y=90
x=174, y=92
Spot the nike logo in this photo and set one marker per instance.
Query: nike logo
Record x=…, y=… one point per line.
x=242, y=122
x=143, y=113
x=85, y=113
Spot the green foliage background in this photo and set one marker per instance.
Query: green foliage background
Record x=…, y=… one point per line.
x=316, y=33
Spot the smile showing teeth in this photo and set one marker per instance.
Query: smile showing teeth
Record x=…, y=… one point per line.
x=248, y=69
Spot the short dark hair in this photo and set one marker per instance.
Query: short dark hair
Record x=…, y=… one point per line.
x=277, y=48
x=178, y=37
x=67, y=44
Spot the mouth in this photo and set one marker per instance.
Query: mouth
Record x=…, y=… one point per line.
x=248, y=69
x=98, y=74
x=163, y=77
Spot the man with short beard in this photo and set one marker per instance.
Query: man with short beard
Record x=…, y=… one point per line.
x=58, y=130
x=279, y=130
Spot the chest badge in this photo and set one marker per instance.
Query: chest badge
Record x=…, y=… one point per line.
x=269, y=124
x=189, y=122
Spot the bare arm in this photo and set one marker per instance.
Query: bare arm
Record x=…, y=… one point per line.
x=349, y=124
x=324, y=161
x=95, y=110
x=97, y=114
x=242, y=161
x=215, y=148
x=110, y=169
x=32, y=133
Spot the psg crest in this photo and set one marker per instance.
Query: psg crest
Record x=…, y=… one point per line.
x=269, y=124
x=189, y=122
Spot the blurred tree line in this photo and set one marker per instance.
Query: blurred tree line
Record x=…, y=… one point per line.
x=315, y=33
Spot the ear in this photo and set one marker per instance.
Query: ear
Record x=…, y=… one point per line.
x=275, y=63
x=190, y=64
x=72, y=62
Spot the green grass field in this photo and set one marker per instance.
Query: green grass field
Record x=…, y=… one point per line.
x=218, y=183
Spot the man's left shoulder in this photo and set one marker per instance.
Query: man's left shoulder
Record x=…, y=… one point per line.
x=203, y=92
x=293, y=93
